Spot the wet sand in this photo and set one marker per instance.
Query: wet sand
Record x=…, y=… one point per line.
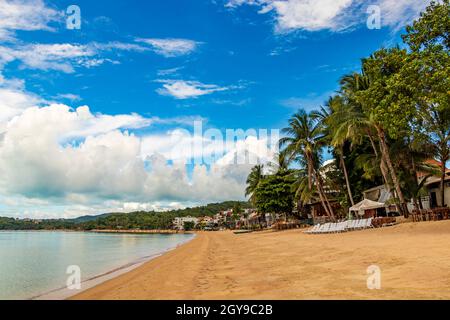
x=414, y=259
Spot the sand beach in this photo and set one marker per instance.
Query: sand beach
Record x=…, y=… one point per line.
x=414, y=259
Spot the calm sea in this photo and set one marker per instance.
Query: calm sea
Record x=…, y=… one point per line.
x=34, y=263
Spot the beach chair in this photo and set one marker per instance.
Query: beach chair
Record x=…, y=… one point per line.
x=335, y=227
x=313, y=229
x=320, y=229
x=327, y=228
x=359, y=224
x=332, y=228
x=344, y=226
x=350, y=225
x=369, y=223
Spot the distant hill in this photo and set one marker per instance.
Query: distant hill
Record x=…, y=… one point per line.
x=88, y=218
x=132, y=220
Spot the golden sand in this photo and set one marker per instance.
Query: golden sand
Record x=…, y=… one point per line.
x=414, y=259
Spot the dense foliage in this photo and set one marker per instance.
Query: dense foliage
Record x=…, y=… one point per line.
x=274, y=194
x=381, y=127
x=125, y=221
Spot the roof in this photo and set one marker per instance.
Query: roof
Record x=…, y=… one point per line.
x=367, y=204
x=432, y=162
x=433, y=180
x=375, y=188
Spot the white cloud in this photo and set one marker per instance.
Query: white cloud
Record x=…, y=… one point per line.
x=309, y=102
x=398, y=13
x=171, y=47
x=63, y=162
x=27, y=15
x=333, y=15
x=181, y=89
x=167, y=72
x=64, y=56
x=68, y=96
x=14, y=100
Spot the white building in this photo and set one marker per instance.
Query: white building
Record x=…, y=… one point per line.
x=178, y=223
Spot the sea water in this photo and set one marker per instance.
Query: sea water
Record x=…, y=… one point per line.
x=33, y=263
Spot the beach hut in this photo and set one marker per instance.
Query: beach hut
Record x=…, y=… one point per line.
x=366, y=208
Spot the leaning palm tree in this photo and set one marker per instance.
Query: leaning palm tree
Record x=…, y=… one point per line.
x=329, y=116
x=253, y=180
x=361, y=119
x=304, y=140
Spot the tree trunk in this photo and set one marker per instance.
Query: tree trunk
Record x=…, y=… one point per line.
x=416, y=179
x=347, y=182
x=372, y=142
x=443, y=182
x=385, y=174
x=322, y=200
x=383, y=168
x=387, y=157
x=324, y=196
x=310, y=169
x=319, y=190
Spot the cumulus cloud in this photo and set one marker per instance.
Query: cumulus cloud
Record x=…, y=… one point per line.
x=171, y=47
x=182, y=89
x=333, y=15
x=27, y=15
x=14, y=100
x=83, y=163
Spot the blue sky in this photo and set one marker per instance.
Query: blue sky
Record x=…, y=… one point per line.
x=141, y=70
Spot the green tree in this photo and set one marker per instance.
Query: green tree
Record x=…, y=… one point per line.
x=427, y=72
x=274, y=194
x=330, y=123
x=303, y=143
x=254, y=178
x=188, y=225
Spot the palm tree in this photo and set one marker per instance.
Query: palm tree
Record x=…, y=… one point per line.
x=360, y=119
x=330, y=120
x=304, y=141
x=280, y=163
x=253, y=180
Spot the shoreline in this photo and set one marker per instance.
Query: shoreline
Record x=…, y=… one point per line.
x=64, y=293
x=290, y=265
x=141, y=231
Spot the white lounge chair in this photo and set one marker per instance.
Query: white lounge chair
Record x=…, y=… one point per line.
x=351, y=224
x=343, y=226
x=332, y=228
x=320, y=229
x=313, y=229
x=359, y=224
x=326, y=228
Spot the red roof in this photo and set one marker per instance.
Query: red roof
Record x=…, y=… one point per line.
x=434, y=163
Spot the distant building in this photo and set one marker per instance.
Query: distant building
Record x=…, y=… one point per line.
x=178, y=223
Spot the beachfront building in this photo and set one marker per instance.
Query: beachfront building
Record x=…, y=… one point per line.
x=431, y=199
x=178, y=223
x=433, y=186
